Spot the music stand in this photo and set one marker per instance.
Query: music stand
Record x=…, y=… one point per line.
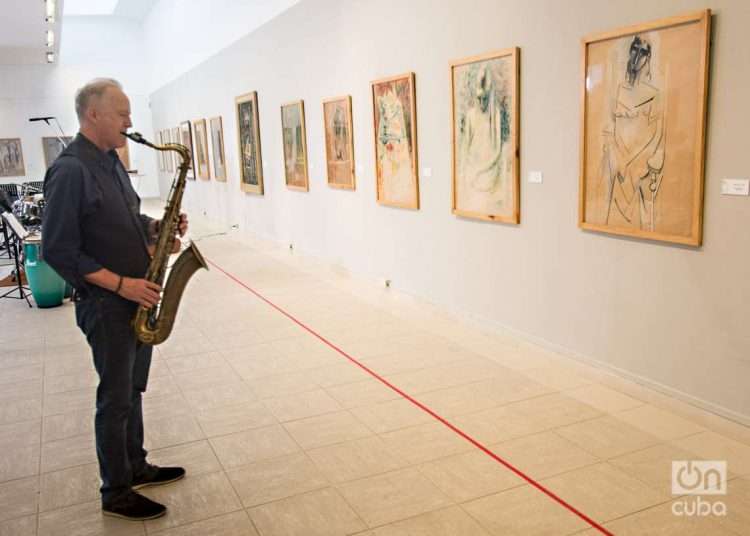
x=19, y=234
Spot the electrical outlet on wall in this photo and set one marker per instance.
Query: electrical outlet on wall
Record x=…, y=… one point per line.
x=535, y=177
x=735, y=187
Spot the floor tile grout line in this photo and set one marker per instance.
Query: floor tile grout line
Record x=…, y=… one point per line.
x=471, y=440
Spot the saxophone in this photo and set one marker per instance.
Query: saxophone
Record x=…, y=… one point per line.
x=153, y=325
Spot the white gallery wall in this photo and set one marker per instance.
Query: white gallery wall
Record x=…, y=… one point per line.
x=90, y=47
x=672, y=316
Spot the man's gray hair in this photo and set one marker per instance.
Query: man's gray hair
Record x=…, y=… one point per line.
x=94, y=88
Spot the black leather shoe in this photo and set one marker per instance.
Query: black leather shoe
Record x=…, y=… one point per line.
x=134, y=507
x=156, y=476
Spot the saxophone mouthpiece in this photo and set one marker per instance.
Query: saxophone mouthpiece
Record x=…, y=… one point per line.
x=136, y=137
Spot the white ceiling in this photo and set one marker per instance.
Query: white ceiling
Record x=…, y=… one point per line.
x=23, y=37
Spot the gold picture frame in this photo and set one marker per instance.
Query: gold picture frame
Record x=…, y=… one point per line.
x=394, y=111
x=218, y=157
x=644, y=92
x=485, y=129
x=339, y=141
x=201, y=149
x=248, y=143
x=294, y=140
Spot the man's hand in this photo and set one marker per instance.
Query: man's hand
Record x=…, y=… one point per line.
x=141, y=291
x=182, y=226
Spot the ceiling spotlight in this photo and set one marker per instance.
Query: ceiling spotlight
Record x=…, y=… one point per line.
x=50, y=57
x=51, y=8
x=50, y=38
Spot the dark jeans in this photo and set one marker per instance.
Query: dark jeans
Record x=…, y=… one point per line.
x=122, y=364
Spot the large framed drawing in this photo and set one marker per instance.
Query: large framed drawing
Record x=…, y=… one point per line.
x=201, y=149
x=52, y=147
x=248, y=138
x=186, y=138
x=485, y=128
x=643, y=124
x=394, y=111
x=217, y=149
x=295, y=145
x=11, y=158
x=337, y=119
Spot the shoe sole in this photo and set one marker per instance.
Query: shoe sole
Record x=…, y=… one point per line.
x=131, y=518
x=152, y=484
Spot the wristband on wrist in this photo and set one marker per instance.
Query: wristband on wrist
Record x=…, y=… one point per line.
x=119, y=285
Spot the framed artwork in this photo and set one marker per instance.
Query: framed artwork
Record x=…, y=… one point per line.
x=248, y=138
x=186, y=138
x=124, y=154
x=52, y=147
x=484, y=124
x=295, y=145
x=643, y=129
x=160, y=154
x=201, y=149
x=217, y=148
x=11, y=158
x=337, y=119
x=395, y=120
x=175, y=137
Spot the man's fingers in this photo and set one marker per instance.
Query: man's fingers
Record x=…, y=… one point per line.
x=150, y=285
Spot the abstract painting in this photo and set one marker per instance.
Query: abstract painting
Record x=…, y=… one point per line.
x=186, y=138
x=11, y=158
x=295, y=145
x=52, y=147
x=201, y=149
x=337, y=119
x=643, y=127
x=248, y=136
x=395, y=122
x=217, y=148
x=484, y=94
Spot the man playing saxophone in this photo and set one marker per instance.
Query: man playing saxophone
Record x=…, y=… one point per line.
x=95, y=237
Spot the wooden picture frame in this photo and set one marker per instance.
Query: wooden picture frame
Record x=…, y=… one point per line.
x=294, y=140
x=248, y=143
x=124, y=154
x=644, y=92
x=394, y=110
x=175, y=137
x=186, y=139
x=52, y=147
x=218, y=157
x=485, y=129
x=339, y=141
x=201, y=149
x=11, y=158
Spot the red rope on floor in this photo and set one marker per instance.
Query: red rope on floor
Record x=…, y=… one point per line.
x=424, y=408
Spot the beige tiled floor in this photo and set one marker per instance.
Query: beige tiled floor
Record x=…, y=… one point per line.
x=283, y=435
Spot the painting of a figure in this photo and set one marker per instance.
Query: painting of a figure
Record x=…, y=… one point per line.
x=201, y=149
x=217, y=148
x=395, y=118
x=295, y=145
x=643, y=130
x=186, y=137
x=52, y=147
x=248, y=134
x=485, y=136
x=11, y=158
x=337, y=118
